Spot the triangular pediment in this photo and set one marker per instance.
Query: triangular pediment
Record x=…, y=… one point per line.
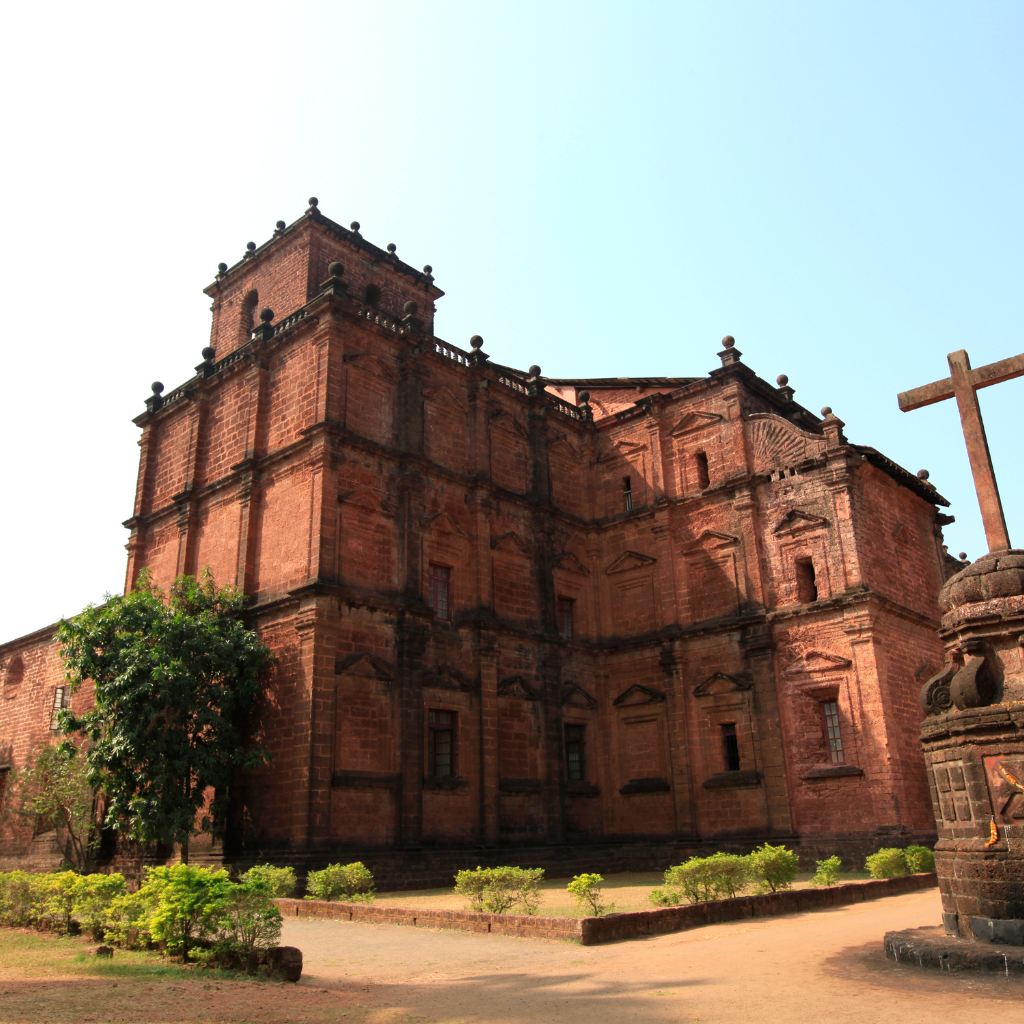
x=721, y=682
x=817, y=659
x=445, y=677
x=442, y=522
x=517, y=686
x=563, y=446
x=796, y=521
x=567, y=560
x=444, y=396
x=694, y=421
x=629, y=560
x=508, y=424
x=510, y=541
x=574, y=696
x=373, y=365
x=711, y=539
x=638, y=694
x=364, y=498
x=364, y=664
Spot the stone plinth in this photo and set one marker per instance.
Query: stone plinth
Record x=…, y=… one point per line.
x=973, y=744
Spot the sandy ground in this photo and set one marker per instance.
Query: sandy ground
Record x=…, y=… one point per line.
x=628, y=891
x=825, y=966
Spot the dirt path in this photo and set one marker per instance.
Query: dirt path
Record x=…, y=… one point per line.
x=825, y=967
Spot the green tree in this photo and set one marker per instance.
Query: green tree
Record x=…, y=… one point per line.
x=174, y=682
x=585, y=890
x=56, y=787
x=187, y=902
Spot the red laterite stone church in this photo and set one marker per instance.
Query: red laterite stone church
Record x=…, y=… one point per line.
x=588, y=624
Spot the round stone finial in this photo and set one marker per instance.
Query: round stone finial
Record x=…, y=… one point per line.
x=335, y=270
x=392, y=247
x=156, y=387
x=314, y=202
x=410, y=308
x=354, y=225
x=222, y=268
x=476, y=342
x=209, y=353
x=962, y=556
x=584, y=397
x=782, y=380
x=728, y=341
x=923, y=474
x=826, y=410
x=427, y=269
x=251, y=246
x=535, y=370
x=280, y=225
x=266, y=315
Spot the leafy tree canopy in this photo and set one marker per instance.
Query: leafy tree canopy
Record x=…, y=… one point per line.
x=174, y=681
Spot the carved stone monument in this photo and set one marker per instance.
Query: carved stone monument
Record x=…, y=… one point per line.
x=973, y=737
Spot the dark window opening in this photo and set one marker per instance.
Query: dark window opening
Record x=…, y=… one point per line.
x=566, y=612
x=703, y=477
x=439, y=591
x=249, y=304
x=830, y=709
x=731, y=746
x=440, y=743
x=372, y=294
x=574, y=766
x=60, y=700
x=807, y=590
x=627, y=493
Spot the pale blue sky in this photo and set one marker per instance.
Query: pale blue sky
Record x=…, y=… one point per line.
x=601, y=188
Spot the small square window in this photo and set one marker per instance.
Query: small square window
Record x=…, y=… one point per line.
x=439, y=590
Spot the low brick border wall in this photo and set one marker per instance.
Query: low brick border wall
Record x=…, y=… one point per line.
x=590, y=931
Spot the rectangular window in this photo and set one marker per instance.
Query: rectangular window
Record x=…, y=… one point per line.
x=574, y=766
x=60, y=700
x=627, y=493
x=440, y=743
x=703, y=477
x=830, y=709
x=807, y=590
x=566, y=612
x=731, y=747
x=439, y=595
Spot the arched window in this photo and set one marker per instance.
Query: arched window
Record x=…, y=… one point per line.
x=247, y=321
x=13, y=676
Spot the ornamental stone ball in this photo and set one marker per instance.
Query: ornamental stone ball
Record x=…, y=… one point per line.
x=584, y=397
x=427, y=269
x=535, y=370
x=782, y=380
x=923, y=474
x=476, y=342
x=251, y=246
x=963, y=556
x=266, y=315
x=222, y=268
x=335, y=270
x=156, y=387
x=281, y=225
x=209, y=353
x=728, y=341
x=392, y=247
x=826, y=411
x=354, y=225
x=314, y=202
x=410, y=308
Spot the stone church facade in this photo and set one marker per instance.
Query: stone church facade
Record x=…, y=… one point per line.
x=569, y=622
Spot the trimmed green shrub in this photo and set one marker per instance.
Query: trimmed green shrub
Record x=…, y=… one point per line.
x=57, y=898
x=127, y=920
x=718, y=877
x=496, y=890
x=887, y=863
x=93, y=895
x=282, y=881
x=251, y=921
x=586, y=893
x=919, y=858
x=188, y=904
x=350, y=883
x=18, y=899
x=730, y=874
x=772, y=868
x=827, y=873
x=694, y=879
x=665, y=897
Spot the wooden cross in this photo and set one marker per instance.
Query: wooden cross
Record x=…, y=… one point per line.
x=964, y=385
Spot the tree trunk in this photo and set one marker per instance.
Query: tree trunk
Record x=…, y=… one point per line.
x=184, y=850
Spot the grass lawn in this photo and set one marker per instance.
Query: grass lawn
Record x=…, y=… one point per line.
x=47, y=978
x=629, y=891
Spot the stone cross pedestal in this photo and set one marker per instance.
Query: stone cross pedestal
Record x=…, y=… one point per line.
x=973, y=735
